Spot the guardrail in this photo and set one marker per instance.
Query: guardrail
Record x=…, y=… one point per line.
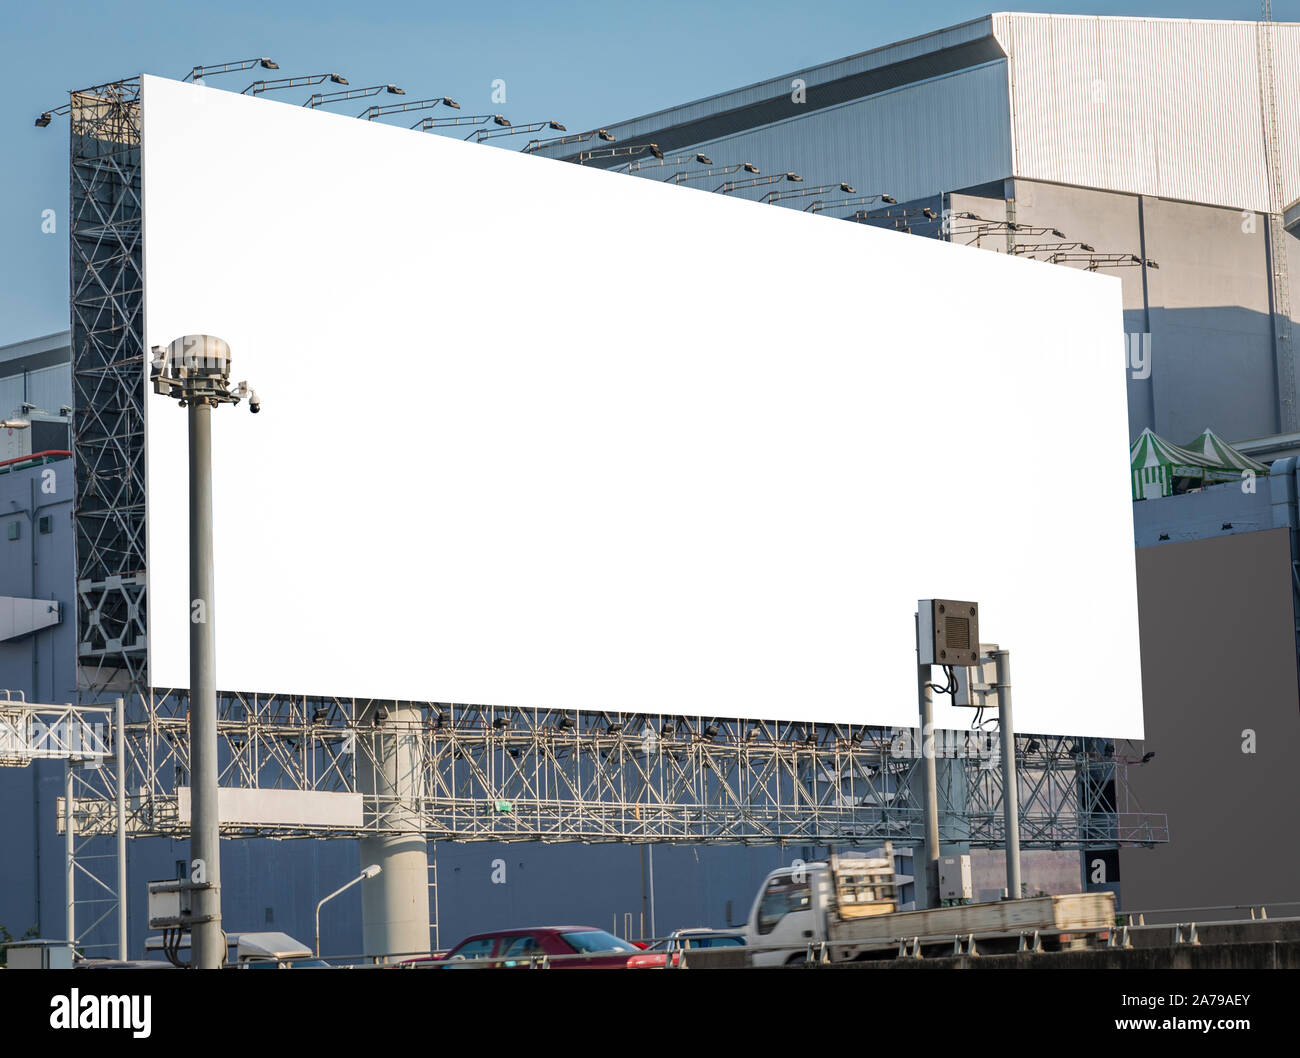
x=36, y=458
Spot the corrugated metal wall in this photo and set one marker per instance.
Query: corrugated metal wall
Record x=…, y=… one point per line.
x=48, y=388
x=631, y=129
x=949, y=132
x=1154, y=106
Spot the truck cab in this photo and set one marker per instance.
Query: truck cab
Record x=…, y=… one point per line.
x=807, y=903
x=788, y=914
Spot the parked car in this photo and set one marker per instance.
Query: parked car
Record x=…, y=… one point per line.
x=563, y=947
x=669, y=950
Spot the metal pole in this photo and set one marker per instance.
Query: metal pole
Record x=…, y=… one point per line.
x=653, y=933
x=207, y=945
x=370, y=872
x=927, y=893
x=1010, y=787
x=69, y=856
x=121, y=829
x=926, y=883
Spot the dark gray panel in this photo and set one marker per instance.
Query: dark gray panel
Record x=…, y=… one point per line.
x=1218, y=657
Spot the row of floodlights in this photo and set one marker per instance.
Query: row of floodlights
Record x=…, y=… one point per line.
x=506, y=127
x=346, y=93
x=1060, y=252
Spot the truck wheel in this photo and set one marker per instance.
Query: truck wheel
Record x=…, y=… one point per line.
x=797, y=960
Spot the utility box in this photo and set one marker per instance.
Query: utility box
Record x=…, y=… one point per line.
x=977, y=684
x=948, y=632
x=955, y=878
x=169, y=903
x=39, y=955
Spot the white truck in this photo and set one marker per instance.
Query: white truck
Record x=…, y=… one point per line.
x=849, y=904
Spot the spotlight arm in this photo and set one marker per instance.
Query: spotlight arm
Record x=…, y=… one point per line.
x=303, y=81
x=45, y=116
x=619, y=152
x=479, y=135
x=425, y=124
x=681, y=159
x=577, y=137
x=861, y=200
x=321, y=98
x=735, y=185
x=704, y=174
x=200, y=72
x=804, y=192
x=371, y=113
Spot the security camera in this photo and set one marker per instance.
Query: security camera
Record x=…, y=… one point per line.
x=245, y=391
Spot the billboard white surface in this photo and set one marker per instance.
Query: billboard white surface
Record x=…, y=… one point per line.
x=540, y=435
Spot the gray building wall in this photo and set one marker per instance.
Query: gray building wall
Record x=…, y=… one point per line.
x=1206, y=307
x=36, y=372
x=1218, y=648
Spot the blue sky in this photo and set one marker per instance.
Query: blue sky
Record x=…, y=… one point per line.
x=583, y=62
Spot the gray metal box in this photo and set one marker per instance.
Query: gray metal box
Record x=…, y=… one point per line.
x=955, y=878
x=948, y=632
x=977, y=684
x=40, y=955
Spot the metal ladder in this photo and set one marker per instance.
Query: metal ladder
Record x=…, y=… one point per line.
x=433, y=894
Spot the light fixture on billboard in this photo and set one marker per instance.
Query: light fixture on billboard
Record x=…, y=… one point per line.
x=46, y=116
x=257, y=88
x=199, y=72
x=321, y=98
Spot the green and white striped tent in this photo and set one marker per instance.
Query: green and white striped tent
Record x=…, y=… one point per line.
x=1155, y=464
x=1226, y=462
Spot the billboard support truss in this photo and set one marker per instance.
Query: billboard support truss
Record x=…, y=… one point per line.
x=490, y=774
x=107, y=293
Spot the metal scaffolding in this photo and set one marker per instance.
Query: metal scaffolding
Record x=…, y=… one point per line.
x=88, y=739
x=108, y=365
x=563, y=775
x=488, y=773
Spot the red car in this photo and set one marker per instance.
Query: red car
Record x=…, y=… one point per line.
x=571, y=947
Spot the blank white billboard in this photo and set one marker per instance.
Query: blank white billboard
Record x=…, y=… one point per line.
x=535, y=434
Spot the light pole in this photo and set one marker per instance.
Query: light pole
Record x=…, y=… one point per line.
x=195, y=370
x=373, y=871
x=1010, y=783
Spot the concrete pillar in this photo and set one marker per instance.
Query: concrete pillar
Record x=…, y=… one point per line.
x=395, y=905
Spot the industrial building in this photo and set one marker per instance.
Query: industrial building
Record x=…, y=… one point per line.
x=1138, y=145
